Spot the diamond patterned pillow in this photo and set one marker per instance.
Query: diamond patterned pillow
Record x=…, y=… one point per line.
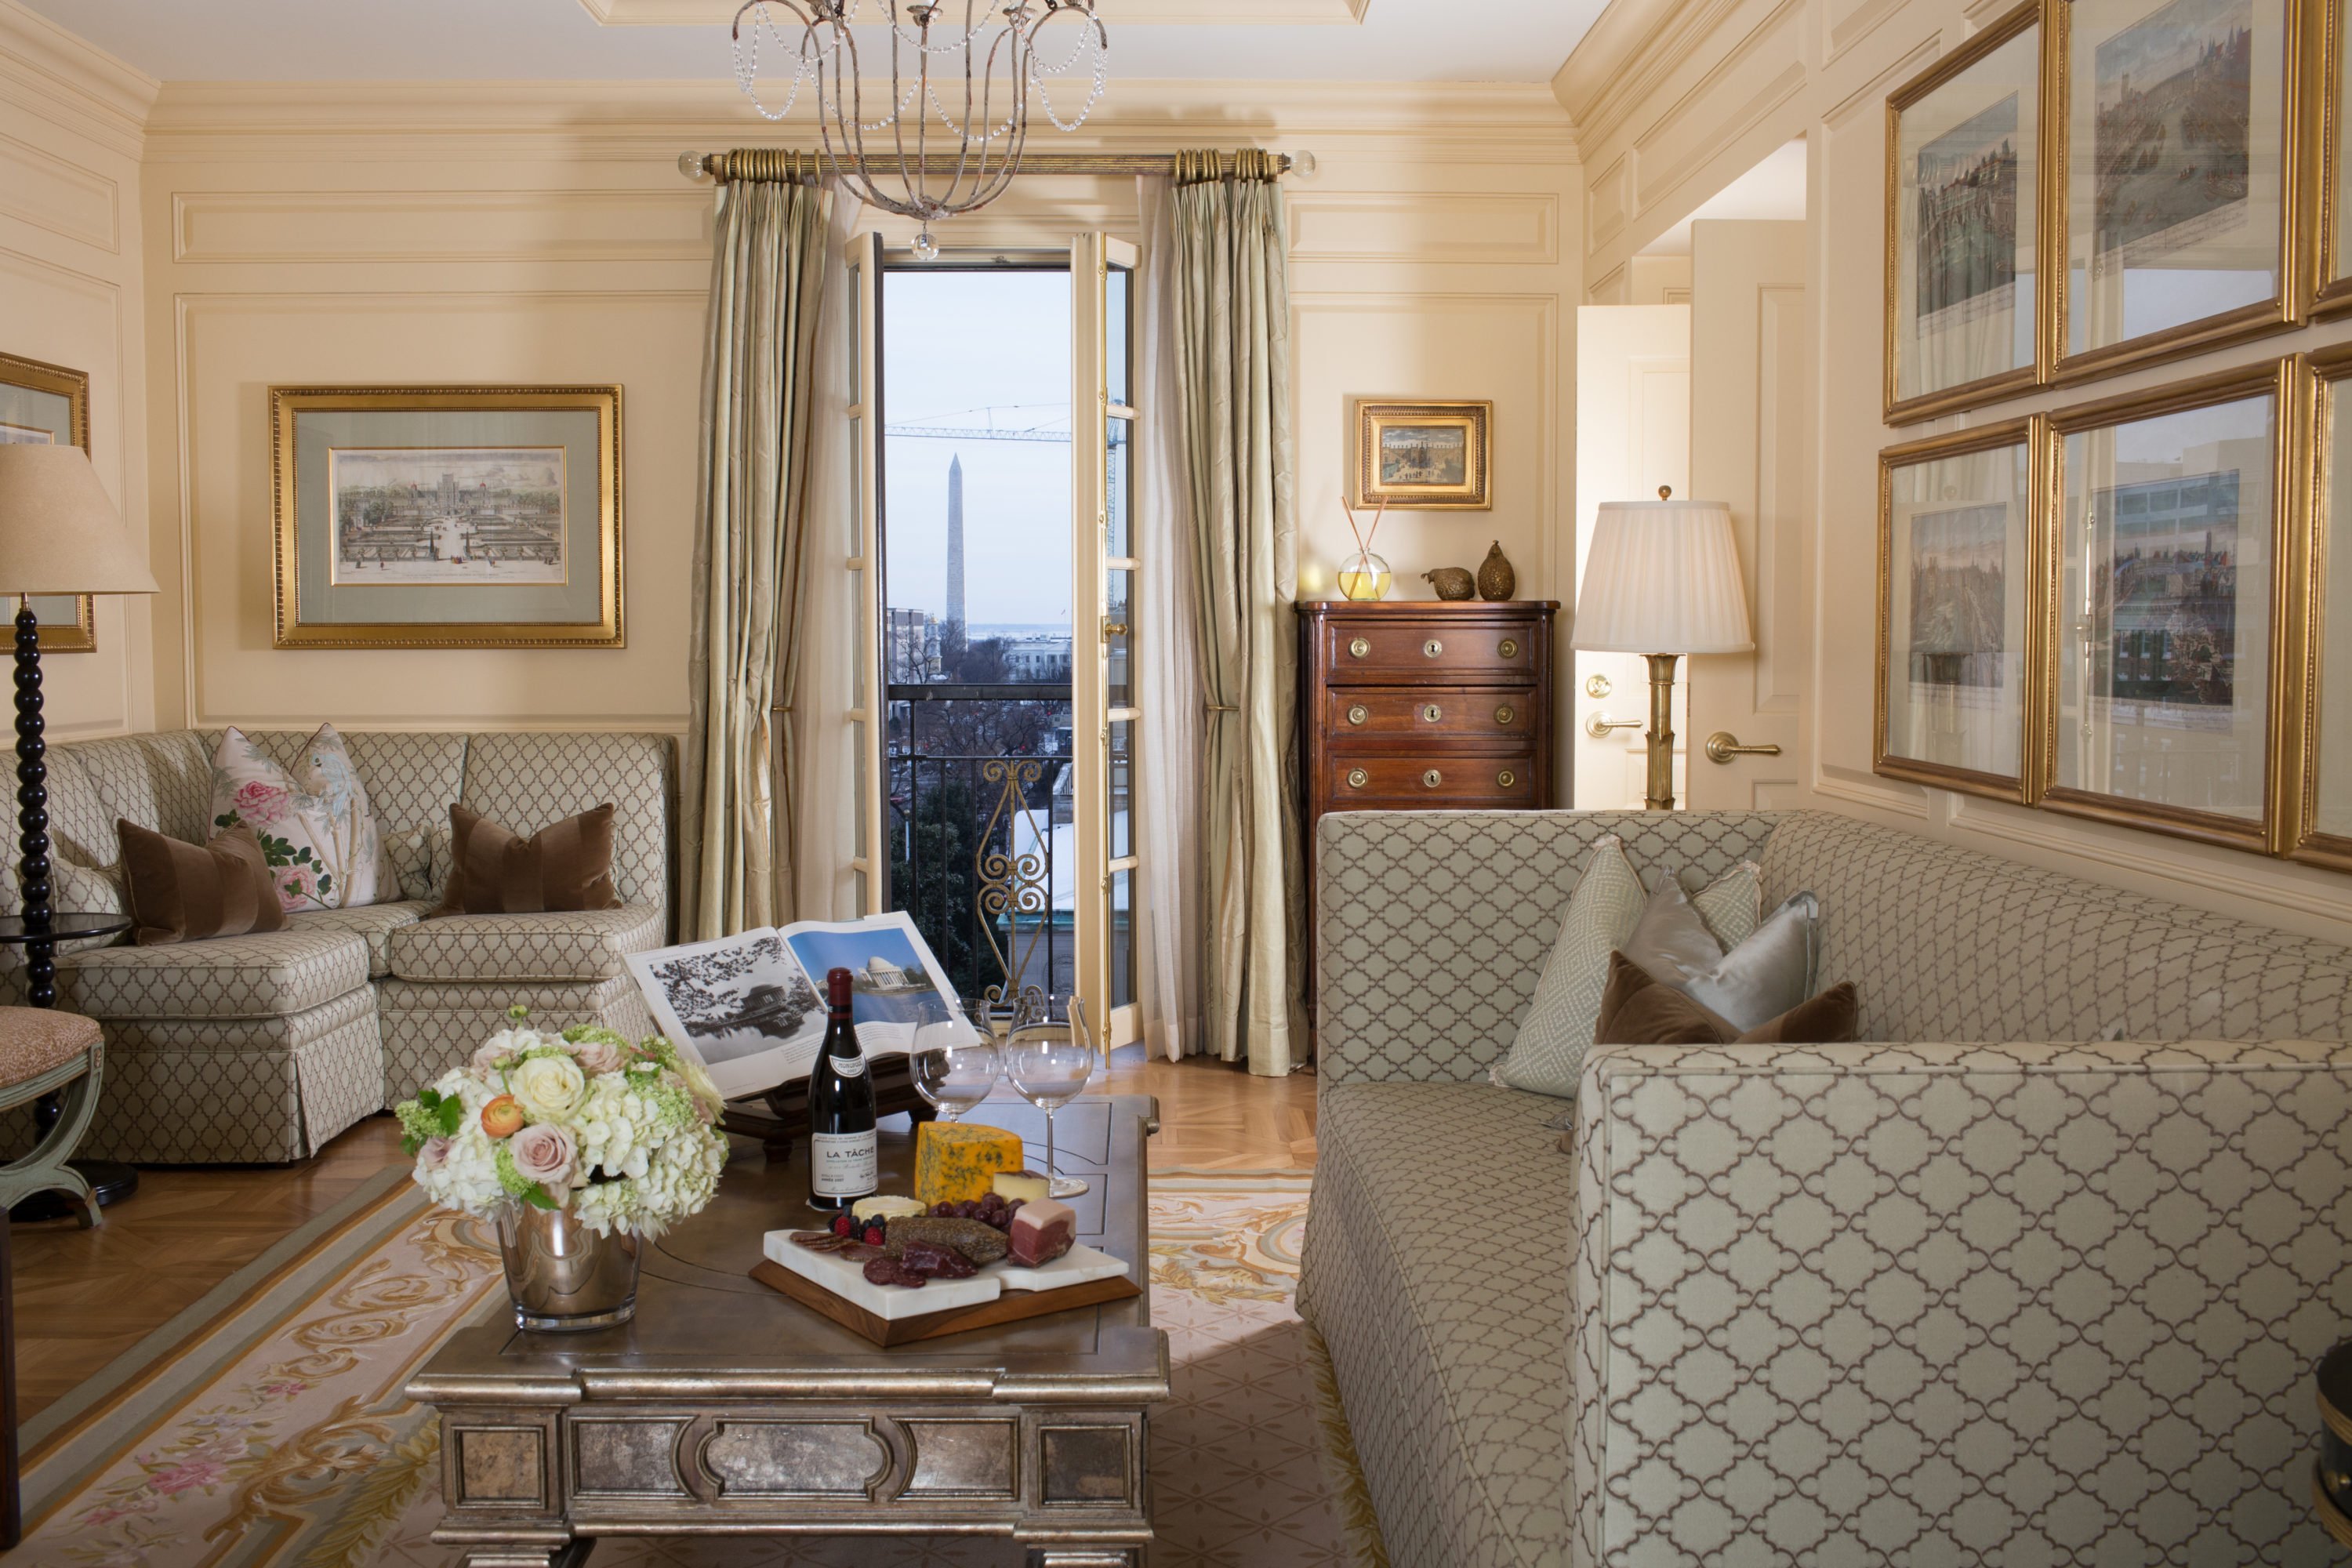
x=317, y=832
x=1550, y=1050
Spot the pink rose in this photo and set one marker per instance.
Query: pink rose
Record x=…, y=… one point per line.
x=260, y=804
x=485, y=1065
x=596, y=1057
x=297, y=885
x=543, y=1154
x=434, y=1155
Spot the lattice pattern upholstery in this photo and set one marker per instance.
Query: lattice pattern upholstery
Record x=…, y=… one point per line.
x=589, y=944
x=162, y=781
x=232, y=1091
x=411, y=776
x=524, y=782
x=1922, y=927
x=1963, y=1304
x=1431, y=927
x=1436, y=1280
x=372, y=923
x=431, y=1026
x=270, y=974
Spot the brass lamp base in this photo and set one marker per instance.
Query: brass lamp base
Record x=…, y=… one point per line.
x=1661, y=736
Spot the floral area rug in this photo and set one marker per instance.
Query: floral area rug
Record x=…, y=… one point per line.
x=280, y=1436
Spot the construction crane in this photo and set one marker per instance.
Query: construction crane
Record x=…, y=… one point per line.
x=957, y=433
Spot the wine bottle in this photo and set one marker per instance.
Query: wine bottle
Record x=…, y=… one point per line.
x=841, y=1110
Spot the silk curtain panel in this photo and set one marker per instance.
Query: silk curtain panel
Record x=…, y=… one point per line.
x=1232, y=305
x=1167, y=659
x=767, y=276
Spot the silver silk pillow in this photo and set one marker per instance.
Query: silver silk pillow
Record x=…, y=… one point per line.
x=1757, y=980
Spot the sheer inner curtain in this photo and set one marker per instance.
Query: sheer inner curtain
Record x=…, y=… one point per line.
x=768, y=287
x=1229, y=360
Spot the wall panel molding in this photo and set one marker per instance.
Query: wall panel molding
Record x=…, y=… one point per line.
x=514, y=225
x=1489, y=227
x=55, y=194
x=1607, y=203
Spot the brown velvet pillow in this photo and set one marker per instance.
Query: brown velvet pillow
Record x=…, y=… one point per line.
x=189, y=892
x=1638, y=1009
x=564, y=866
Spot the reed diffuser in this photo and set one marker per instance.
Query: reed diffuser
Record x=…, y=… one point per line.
x=1364, y=576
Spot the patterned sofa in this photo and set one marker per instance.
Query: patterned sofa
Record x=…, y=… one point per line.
x=263, y=1048
x=1992, y=1296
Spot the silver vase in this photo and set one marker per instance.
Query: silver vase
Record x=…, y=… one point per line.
x=564, y=1277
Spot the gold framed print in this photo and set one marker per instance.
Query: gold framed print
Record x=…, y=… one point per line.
x=2172, y=521
x=2316, y=763
x=1963, y=183
x=1957, y=582
x=2174, y=186
x=446, y=516
x=48, y=405
x=2332, y=195
x=1426, y=456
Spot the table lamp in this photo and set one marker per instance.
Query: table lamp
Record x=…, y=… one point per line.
x=1662, y=579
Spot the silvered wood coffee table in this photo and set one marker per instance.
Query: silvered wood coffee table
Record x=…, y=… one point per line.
x=726, y=1409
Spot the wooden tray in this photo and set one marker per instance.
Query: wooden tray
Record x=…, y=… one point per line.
x=1009, y=1308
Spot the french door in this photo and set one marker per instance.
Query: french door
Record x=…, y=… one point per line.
x=995, y=802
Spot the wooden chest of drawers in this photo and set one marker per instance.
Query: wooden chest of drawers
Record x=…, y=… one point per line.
x=1423, y=706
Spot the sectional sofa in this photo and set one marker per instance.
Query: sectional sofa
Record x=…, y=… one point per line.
x=2044, y=1281
x=262, y=1049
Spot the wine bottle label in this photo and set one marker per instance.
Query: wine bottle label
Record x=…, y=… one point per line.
x=850, y=1066
x=840, y=1164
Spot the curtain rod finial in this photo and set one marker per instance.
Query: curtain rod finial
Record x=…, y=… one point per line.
x=693, y=166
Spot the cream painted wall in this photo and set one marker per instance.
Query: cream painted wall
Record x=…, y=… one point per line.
x=69, y=295
x=432, y=232
x=1674, y=101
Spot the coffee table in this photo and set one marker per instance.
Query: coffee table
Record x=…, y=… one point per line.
x=726, y=1409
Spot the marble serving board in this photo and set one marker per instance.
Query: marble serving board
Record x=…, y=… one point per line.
x=1082, y=1265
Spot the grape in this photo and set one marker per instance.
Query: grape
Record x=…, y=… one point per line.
x=966, y=1209
x=943, y=1210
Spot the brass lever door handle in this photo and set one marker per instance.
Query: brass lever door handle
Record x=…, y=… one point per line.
x=1722, y=745
x=1599, y=724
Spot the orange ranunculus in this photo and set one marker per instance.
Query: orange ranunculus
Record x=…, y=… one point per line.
x=503, y=1118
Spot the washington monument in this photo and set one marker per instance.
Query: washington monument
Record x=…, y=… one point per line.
x=955, y=546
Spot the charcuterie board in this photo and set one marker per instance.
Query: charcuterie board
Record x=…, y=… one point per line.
x=894, y=1315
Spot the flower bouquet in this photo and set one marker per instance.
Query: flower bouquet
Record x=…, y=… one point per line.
x=580, y=1145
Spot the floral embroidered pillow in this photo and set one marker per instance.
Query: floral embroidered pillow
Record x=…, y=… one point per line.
x=317, y=832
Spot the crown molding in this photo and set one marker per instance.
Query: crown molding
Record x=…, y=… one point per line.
x=76, y=81
x=1113, y=13
x=1622, y=61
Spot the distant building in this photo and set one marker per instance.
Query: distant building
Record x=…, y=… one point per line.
x=1038, y=657
x=911, y=647
x=955, y=543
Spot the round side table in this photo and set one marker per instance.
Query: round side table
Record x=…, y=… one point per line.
x=111, y=1180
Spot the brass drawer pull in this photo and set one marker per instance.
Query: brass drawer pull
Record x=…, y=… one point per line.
x=1432, y=649
x=1359, y=713
x=1432, y=778
x=1506, y=779
x=1357, y=778
x=1361, y=647
x=1510, y=648
x=1434, y=713
x=1504, y=715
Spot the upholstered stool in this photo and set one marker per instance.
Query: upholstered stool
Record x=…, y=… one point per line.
x=42, y=1050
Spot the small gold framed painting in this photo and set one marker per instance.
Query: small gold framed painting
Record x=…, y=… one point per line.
x=1428, y=457
x=446, y=516
x=48, y=405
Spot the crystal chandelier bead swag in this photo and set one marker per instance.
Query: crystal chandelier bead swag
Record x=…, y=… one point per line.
x=1006, y=52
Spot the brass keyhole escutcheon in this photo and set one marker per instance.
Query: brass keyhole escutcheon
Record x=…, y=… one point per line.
x=1357, y=778
x=1506, y=779
x=1432, y=778
x=1361, y=647
x=1510, y=648
x=1359, y=713
x=1596, y=686
x=1432, y=649
x=1432, y=712
x=1503, y=715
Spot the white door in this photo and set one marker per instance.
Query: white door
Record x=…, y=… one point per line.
x=1751, y=388
x=1633, y=435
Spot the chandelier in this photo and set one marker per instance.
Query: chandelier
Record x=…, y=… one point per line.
x=946, y=154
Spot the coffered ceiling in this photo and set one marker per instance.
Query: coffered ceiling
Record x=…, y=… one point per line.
x=597, y=40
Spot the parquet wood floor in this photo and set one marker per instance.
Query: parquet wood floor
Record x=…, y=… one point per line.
x=84, y=1297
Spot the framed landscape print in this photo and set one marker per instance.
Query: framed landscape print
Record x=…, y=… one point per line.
x=48, y=405
x=2331, y=277
x=2318, y=759
x=447, y=517
x=2176, y=176
x=2171, y=535
x=1956, y=581
x=1963, y=190
x=1430, y=456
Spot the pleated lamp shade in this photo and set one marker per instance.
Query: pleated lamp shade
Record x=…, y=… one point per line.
x=1662, y=576
x=58, y=531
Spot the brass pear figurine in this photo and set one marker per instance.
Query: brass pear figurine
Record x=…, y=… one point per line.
x=1450, y=582
x=1495, y=578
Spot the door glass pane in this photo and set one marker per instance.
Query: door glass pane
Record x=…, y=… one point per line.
x=1117, y=534
x=976, y=640
x=1117, y=292
x=1122, y=939
x=1123, y=789
x=1119, y=648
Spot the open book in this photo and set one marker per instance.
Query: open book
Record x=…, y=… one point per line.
x=751, y=1006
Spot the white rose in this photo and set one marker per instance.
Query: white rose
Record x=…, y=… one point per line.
x=543, y=1154
x=434, y=1155
x=549, y=1088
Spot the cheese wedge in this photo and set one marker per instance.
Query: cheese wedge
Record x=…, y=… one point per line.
x=1023, y=1186
x=956, y=1162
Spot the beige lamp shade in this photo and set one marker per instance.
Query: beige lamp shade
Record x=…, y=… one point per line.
x=58, y=531
x=1662, y=576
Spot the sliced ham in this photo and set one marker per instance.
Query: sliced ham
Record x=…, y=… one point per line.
x=1042, y=1231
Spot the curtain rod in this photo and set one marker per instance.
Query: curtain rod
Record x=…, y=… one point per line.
x=792, y=164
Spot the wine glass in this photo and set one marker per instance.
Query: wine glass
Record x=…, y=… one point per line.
x=1049, y=1064
x=952, y=1071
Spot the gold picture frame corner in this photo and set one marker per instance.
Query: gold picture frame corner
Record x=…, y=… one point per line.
x=1369, y=415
